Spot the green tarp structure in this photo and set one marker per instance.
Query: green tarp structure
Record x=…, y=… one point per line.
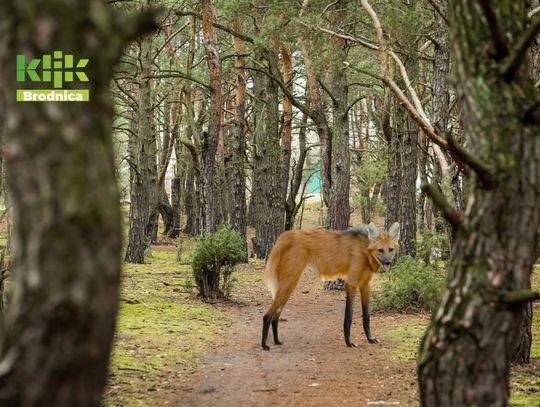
x=314, y=183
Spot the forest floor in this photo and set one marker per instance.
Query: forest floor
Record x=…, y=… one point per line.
x=173, y=349
x=313, y=367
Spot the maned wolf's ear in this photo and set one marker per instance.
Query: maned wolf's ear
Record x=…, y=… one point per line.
x=393, y=232
x=373, y=232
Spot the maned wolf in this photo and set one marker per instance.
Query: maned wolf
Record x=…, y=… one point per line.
x=353, y=254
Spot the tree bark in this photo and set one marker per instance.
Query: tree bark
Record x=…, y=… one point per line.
x=393, y=180
x=268, y=203
x=239, y=213
x=176, y=193
x=291, y=206
x=395, y=127
x=409, y=162
x=339, y=208
x=465, y=356
x=211, y=137
x=318, y=116
x=56, y=337
x=142, y=162
x=193, y=182
x=403, y=166
x=522, y=350
x=3, y=277
x=286, y=128
x=170, y=133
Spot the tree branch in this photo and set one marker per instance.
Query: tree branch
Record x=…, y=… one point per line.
x=519, y=297
x=174, y=34
x=531, y=13
x=484, y=172
x=416, y=112
x=285, y=90
x=517, y=56
x=346, y=37
x=327, y=91
x=439, y=11
x=450, y=213
x=358, y=99
x=192, y=148
x=221, y=27
x=177, y=74
x=501, y=49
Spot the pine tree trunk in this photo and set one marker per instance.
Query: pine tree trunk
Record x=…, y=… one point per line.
x=403, y=168
x=450, y=183
x=57, y=334
x=291, y=207
x=319, y=116
x=3, y=277
x=170, y=134
x=176, y=193
x=143, y=171
x=211, y=137
x=191, y=202
x=393, y=180
x=286, y=128
x=423, y=168
x=465, y=356
x=176, y=186
x=165, y=210
x=441, y=67
x=339, y=209
x=239, y=212
x=522, y=351
x=268, y=207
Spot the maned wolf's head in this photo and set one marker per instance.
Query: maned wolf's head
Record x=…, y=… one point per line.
x=383, y=246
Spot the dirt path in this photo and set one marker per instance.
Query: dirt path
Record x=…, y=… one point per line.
x=312, y=368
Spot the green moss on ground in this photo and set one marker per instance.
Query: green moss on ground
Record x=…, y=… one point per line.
x=525, y=387
x=162, y=328
x=406, y=337
x=525, y=379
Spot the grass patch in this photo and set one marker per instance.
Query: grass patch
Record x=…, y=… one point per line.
x=161, y=330
x=535, y=346
x=407, y=336
x=525, y=388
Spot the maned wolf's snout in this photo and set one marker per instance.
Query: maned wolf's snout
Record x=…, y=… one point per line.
x=387, y=262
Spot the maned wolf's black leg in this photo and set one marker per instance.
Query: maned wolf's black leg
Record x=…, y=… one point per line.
x=351, y=292
x=266, y=325
x=365, y=315
x=275, y=329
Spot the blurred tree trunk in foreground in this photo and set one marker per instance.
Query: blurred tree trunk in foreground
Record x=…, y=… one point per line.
x=57, y=333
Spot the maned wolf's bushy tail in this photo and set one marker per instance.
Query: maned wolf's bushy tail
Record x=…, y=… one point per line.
x=270, y=274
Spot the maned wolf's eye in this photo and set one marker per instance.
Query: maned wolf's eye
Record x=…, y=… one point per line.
x=391, y=249
x=381, y=251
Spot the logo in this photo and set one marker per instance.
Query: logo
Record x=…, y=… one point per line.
x=56, y=69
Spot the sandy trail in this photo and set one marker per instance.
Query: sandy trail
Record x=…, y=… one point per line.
x=312, y=368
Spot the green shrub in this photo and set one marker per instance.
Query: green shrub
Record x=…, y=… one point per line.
x=213, y=262
x=431, y=246
x=410, y=285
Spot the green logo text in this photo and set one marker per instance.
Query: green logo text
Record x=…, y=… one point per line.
x=58, y=68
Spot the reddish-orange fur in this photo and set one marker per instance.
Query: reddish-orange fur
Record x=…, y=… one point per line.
x=352, y=257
